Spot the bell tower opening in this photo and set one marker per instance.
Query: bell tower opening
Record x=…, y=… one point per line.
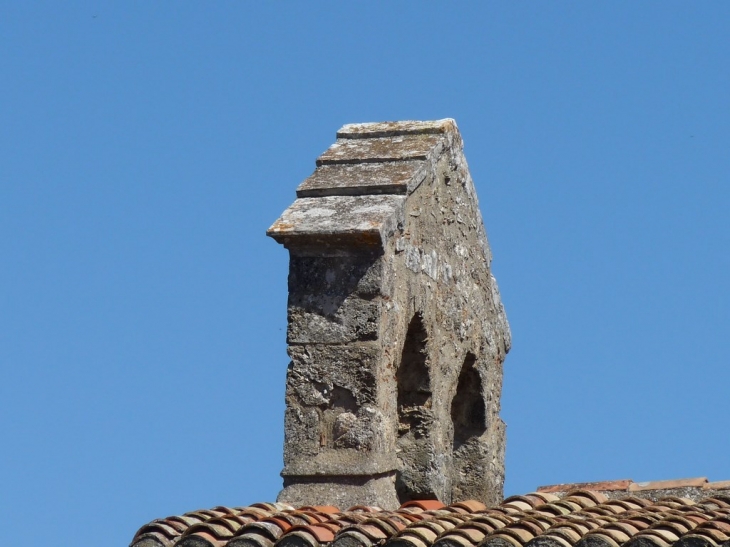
x=468, y=412
x=414, y=382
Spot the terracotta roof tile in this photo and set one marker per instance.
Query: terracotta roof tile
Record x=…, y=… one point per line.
x=470, y=506
x=620, y=514
x=426, y=505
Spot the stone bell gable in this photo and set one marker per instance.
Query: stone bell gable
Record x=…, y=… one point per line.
x=396, y=331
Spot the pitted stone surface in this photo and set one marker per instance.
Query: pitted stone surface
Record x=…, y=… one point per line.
x=396, y=333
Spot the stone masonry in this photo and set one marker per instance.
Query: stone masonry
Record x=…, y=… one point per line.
x=396, y=331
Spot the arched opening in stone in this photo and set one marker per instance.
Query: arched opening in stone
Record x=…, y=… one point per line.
x=468, y=412
x=414, y=382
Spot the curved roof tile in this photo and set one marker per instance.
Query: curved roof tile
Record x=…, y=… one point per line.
x=685, y=513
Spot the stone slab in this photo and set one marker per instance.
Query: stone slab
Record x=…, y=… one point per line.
x=393, y=129
x=365, y=220
x=363, y=179
x=407, y=147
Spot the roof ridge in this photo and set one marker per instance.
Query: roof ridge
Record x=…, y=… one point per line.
x=630, y=485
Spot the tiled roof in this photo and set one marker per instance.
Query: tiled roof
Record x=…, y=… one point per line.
x=609, y=514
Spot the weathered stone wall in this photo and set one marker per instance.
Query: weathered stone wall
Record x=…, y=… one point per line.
x=396, y=331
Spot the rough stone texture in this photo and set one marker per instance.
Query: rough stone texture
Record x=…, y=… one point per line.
x=396, y=331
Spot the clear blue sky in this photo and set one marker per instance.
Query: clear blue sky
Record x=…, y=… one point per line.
x=145, y=147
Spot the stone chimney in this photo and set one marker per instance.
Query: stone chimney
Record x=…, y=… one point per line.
x=396, y=331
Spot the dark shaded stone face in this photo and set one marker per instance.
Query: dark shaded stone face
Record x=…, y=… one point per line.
x=396, y=331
